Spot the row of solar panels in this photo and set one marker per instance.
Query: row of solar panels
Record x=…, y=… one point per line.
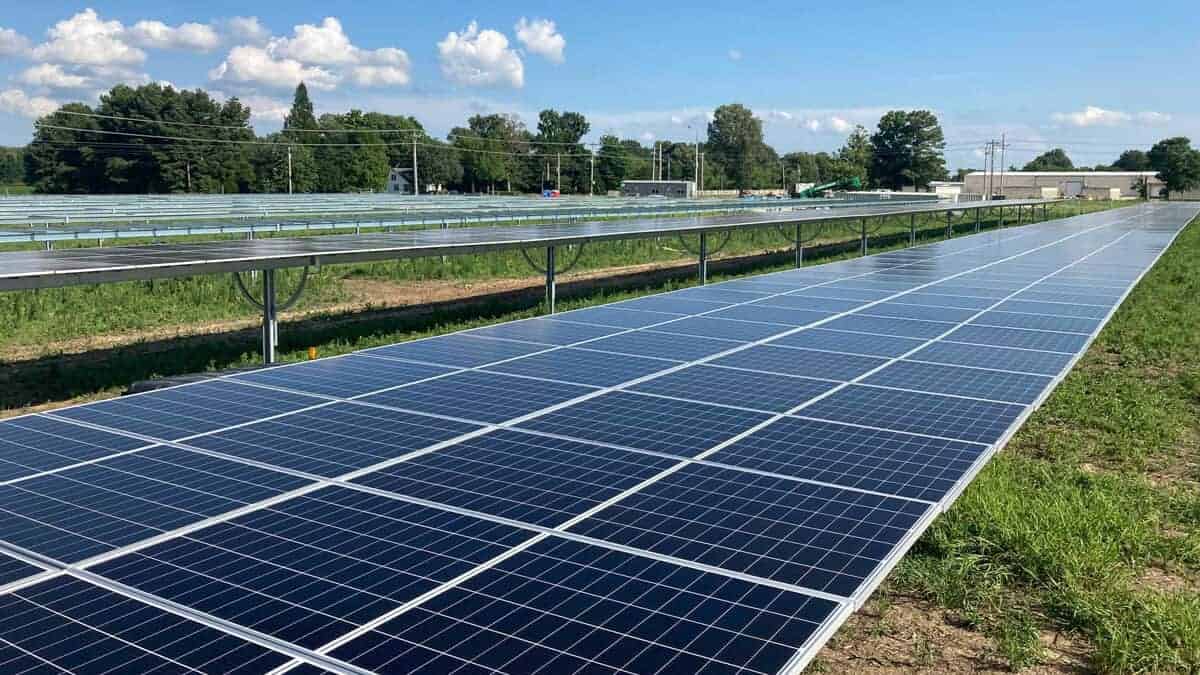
x=704, y=481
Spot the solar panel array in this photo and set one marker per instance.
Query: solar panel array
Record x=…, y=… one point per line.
x=706, y=481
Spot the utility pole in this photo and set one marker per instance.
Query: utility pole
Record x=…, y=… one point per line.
x=1003, y=147
x=289, y=169
x=558, y=170
x=701, y=171
x=189, y=175
x=668, y=167
x=416, y=177
x=592, y=181
x=783, y=172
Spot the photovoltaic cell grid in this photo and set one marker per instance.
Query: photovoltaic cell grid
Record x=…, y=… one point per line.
x=704, y=531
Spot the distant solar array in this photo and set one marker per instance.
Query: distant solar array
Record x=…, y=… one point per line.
x=82, y=217
x=705, y=481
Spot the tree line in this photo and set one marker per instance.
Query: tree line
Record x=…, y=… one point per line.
x=1174, y=159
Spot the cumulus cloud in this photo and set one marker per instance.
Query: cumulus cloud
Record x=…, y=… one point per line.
x=1095, y=116
x=840, y=125
x=480, y=58
x=778, y=116
x=247, y=30
x=735, y=55
x=52, y=76
x=12, y=43
x=255, y=65
x=319, y=55
x=188, y=36
x=85, y=39
x=17, y=102
x=812, y=125
x=1151, y=118
x=541, y=37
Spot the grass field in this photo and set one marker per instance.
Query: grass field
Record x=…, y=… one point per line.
x=1086, y=526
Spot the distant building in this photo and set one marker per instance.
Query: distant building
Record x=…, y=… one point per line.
x=400, y=180
x=662, y=188
x=1054, y=184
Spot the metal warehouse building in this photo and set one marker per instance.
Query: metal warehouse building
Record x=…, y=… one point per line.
x=685, y=189
x=1036, y=184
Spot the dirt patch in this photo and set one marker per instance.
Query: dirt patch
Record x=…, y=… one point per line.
x=899, y=634
x=1159, y=579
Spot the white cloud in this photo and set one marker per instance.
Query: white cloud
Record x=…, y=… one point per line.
x=840, y=125
x=52, y=76
x=255, y=65
x=12, y=43
x=812, y=125
x=541, y=37
x=85, y=39
x=480, y=58
x=324, y=45
x=247, y=30
x=647, y=136
x=735, y=55
x=188, y=36
x=1151, y=118
x=379, y=76
x=778, y=116
x=17, y=102
x=1092, y=116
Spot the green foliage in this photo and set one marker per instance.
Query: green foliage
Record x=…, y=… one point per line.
x=1177, y=164
x=1132, y=160
x=12, y=165
x=1051, y=160
x=735, y=143
x=907, y=150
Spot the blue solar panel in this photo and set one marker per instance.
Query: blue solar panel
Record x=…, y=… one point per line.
x=718, y=294
x=848, y=342
x=747, y=389
x=178, y=412
x=614, y=316
x=938, y=300
x=797, y=361
x=65, y=625
x=1064, y=324
x=312, y=568
x=959, y=381
x=647, y=423
x=959, y=287
x=457, y=349
x=33, y=443
x=1045, y=341
x=785, y=316
x=486, y=397
x=814, y=536
x=545, y=331
x=335, y=439
x=84, y=511
x=526, y=477
x=12, y=570
x=344, y=376
x=860, y=323
x=1001, y=358
x=809, y=303
x=842, y=293
x=703, y=326
x=1053, y=309
x=669, y=303
x=905, y=465
x=565, y=607
x=1066, y=298
x=599, y=369
x=662, y=345
x=922, y=312
x=962, y=418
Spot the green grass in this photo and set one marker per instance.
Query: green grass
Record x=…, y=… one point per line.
x=1099, y=489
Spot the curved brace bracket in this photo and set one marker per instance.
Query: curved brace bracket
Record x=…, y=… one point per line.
x=712, y=251
x=817, y=229
x=541, y=269
x=287, y=304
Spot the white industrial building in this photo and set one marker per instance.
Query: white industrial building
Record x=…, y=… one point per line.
x=665, y=188
x=1053, y=184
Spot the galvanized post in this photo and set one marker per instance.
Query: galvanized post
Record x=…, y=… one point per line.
x=1001, y=208
x=550, y=284
x=799, y=245
x=1019, y=209
x=49, y=245
x=948, y=226
x=863, y=243
x=270, y=327
x=912, y=229
x=703, y=258
x=978, y=225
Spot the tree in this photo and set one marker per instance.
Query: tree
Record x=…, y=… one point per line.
x=1177, y=164
x=1132, y=160
x=907, y=150
x=1051, y=160
x=612, y=163
x=298, y=128
x=735, y=143
x=855, y=158
x=558, y=145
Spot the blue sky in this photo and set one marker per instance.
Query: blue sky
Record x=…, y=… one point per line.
x=1093, y=77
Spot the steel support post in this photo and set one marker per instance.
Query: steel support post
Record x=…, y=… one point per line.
x=863, y=244
x=799, y=245
x=270, y=325
x=703, y=258
x=1001, y=217
x=550, y=284
x=978, y=224
x=912, y=229
x=948, y=226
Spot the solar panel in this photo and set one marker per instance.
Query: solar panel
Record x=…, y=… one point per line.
x=712, y=494
x=68, y=625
